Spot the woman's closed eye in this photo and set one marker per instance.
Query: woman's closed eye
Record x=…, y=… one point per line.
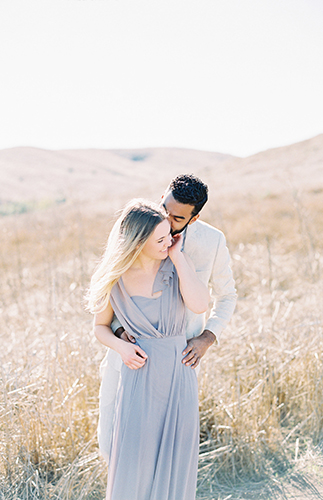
x=163, y=238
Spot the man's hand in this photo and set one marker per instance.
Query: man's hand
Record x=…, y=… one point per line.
x=122, y=334
x=127, y=337
x=197, y=347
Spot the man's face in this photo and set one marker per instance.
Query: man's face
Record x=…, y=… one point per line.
x=179, y=214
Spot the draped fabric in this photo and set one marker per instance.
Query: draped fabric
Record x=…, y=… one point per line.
x=154, y=451
x=172, y=309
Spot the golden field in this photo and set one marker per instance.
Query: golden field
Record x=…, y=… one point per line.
x=261, y=389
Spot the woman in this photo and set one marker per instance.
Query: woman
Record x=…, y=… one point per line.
x=146, y=280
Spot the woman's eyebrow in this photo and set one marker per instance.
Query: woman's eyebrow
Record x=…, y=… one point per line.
x=162, y=237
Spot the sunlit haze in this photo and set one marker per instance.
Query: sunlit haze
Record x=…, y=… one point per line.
x=232, y=76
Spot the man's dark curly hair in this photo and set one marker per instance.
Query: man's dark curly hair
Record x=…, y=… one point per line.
x=189, y=190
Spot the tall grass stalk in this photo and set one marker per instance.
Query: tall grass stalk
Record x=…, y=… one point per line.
x=261, y=389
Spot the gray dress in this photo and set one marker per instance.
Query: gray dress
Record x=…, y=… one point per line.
x=154, y=450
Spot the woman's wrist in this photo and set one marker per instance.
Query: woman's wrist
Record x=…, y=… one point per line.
x=177, y=259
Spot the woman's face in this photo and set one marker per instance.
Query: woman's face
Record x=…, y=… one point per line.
x=156, y=247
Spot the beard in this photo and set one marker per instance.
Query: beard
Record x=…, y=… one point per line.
x=179, y=231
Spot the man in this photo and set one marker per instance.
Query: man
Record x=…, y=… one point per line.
x=206, y=246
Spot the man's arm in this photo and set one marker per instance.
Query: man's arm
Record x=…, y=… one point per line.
x=224, y=299
x=115, y=325
x=120, y=332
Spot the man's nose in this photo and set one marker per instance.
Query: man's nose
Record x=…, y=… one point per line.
x=169, y=218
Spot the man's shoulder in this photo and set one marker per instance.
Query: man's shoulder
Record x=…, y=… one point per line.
x=202, y=244
x=200, y=229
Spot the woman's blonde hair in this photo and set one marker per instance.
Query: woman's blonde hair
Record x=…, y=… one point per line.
x=136, y=223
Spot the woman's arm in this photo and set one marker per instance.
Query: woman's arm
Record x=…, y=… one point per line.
x=195, y=294
x=132, y=355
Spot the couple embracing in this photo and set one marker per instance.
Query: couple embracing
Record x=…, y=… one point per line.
x=149, y=295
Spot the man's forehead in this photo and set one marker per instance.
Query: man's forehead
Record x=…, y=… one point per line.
x=177, y=209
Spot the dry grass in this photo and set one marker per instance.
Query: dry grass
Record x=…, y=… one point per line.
x=261, y=390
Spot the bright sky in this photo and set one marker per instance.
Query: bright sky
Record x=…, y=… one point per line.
x=232, y=76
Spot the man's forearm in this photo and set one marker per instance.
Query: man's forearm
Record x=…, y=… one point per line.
x=220, y=314
x=116, y=327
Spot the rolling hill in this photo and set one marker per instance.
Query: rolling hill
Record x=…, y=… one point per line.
x=91, y=175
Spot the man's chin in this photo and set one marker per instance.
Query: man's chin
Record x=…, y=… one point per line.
x=178, y=231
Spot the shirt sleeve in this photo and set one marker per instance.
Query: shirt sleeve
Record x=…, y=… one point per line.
x=223, y=292
x=115, y=324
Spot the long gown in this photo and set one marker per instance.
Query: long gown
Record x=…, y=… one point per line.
x=154, y=450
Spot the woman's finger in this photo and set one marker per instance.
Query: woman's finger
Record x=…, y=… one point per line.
x=134, y=365
x=136, y=362
x=140, y=352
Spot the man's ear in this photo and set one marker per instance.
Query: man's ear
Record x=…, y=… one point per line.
x=193, y=219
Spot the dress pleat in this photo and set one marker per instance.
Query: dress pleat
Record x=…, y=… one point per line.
x=154, y=450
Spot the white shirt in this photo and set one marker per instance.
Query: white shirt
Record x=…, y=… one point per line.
x=206, y=246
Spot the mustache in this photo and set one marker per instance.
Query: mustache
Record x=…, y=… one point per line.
x=178, y=231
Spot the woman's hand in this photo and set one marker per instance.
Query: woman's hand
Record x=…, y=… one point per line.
x=176, y=248
x=132, y=355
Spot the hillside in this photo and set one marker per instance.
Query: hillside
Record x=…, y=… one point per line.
x=31, y=174
x=36, y=174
